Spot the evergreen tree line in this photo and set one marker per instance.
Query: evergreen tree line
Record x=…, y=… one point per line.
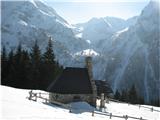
x=131, y=96
x=31, y=70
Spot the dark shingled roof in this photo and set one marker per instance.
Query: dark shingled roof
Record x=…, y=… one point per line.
x=72, y=81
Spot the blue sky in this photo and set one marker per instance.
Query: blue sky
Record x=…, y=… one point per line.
x=79, y=11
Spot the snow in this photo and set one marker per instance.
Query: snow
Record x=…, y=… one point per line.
x=15, y=105
x=23, y=23
x=133, y=110
x=87, y=52
x=79, y=35
x=81, y=107
x=121, y=31
x=33, y=2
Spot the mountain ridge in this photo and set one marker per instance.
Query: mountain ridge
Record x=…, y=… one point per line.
x=123, y=55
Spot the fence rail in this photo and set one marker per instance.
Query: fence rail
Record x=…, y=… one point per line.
x=138, y=105
x=34, y=96
x=118, y=116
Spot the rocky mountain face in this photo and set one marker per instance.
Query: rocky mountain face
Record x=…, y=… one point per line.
x=125, y=52
x=26, y=21
x=100, y=30
x=134, y=55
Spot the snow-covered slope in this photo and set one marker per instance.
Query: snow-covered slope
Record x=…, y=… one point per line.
x=15, y=105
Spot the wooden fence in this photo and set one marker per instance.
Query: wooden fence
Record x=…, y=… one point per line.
x=34, y=96
x=45, y=96
x=138, y=105
x=110, y=115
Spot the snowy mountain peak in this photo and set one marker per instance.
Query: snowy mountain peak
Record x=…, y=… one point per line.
x=87, y=52
x=100, y=29
x=99, y=21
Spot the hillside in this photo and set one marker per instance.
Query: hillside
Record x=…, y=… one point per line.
x=15, y=105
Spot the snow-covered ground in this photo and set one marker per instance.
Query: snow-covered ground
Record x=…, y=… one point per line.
x=15, y=105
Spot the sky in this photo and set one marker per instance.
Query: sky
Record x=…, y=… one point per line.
x=79, y=11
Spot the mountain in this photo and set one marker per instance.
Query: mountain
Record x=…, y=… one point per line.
x=129, y=50
x=96, y=28
x=100, y=30
x=124, y=52
x=102, y=27
x=26, y=21
x=134, y=55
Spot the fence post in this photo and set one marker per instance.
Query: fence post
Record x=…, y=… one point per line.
x=110, y=116
x=35, y=96
x=93, y=113
x=139, y=106
x=30, y=95
x=46, y=100
x=70, y=110
x=125, y=117
x=152, y=109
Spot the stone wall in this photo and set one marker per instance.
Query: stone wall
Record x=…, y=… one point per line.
x=67, y=98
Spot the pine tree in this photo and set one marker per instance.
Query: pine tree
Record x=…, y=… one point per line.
x=10, y=57
x=18, y=54
x=117, y=95
x=124, y=96
x=11, y=68
x=133, y=95
x=4, y=54
x=22, y=70
x=35, y=63
x=49, y=57
x=140, y=100
x=4, y=66
x=25, y=70
x=17, y=67
x=58, y=69
x=49, y=66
